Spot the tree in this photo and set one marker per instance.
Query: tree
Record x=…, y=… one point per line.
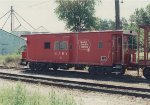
x=124, y=24
x=78, y=14
x=140, y=16
x=104, y=24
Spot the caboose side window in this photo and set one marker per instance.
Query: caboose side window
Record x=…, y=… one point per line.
x=63, y=45
x=100, y=44
x=47, y=45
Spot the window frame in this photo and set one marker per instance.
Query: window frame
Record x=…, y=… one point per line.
x=56, y=45
x=47, y=45
x=63, y=45
x=100, y=44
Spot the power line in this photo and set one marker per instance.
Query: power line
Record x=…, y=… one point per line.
x=40, y=3
x=24, y=20
x=17, y=18
x=6, y=21
x=19, y=23
x=4, y=15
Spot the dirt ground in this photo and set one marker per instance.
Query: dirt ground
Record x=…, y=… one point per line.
x=85, y=98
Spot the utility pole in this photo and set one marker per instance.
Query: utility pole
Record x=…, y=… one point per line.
x=12, y=18
x=13, y=15
x=117, y=17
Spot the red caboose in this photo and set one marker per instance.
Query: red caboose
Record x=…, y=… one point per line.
x=102, y=52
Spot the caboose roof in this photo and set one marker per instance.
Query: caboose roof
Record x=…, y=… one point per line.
x=126, y=32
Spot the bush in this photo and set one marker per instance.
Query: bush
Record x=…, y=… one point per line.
x=20, y=96
x=61, y=99
x=13, y=96
x=9, y=61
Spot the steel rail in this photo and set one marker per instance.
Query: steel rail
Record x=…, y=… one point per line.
x=86, y=86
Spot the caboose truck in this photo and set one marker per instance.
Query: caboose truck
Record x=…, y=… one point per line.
x=102, y=52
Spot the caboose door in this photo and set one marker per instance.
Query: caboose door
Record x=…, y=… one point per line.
x=61, y=49
x=117, y=49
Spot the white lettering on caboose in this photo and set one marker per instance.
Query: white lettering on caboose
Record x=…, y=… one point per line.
x=84, y=45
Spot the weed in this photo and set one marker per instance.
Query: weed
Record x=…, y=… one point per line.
x=9, y=61
x=20, y=96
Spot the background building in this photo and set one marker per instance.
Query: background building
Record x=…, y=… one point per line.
x=19, y=33
x=10, y=43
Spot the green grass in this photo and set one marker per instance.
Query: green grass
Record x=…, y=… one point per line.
x=9, y=61
x=20, y=96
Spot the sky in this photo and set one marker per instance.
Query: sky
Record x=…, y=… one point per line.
x=41, y=12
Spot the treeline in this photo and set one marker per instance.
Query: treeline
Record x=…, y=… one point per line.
x=79, y=15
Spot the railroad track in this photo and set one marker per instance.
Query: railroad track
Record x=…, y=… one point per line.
x=86, y=86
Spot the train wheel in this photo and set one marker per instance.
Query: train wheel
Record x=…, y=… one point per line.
x=39, y=66
x=42, y=67
x=119, y=70
x=146, y=72
x=92, y=71
x=45, y=67
x=55, y=67
x=32, y=66
x=122, y=71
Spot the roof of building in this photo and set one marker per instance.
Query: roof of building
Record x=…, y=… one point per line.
x=1, y=30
